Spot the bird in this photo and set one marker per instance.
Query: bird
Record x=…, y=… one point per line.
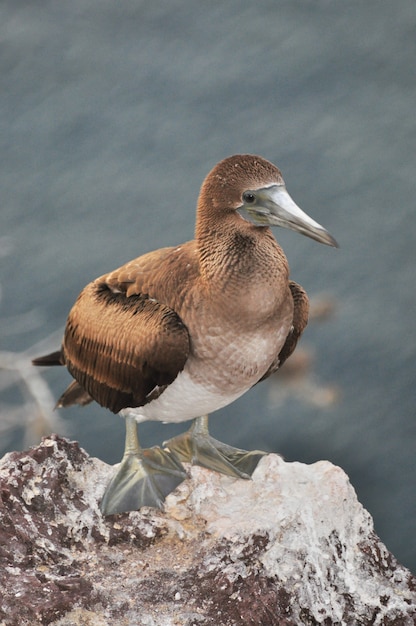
x=185, y=330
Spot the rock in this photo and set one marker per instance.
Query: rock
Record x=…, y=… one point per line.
x=291, y=547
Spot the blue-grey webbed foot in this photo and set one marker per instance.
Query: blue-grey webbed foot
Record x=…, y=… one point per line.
x=196, y=446
x=145, y=476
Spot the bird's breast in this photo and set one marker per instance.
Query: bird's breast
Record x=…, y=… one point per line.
x=235, y=333
x=233, y=358
x=223, y=364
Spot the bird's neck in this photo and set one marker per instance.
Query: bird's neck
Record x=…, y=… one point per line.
x=237, y=257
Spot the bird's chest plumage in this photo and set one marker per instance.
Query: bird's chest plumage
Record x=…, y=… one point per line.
x=233, y=349
x=232, y=346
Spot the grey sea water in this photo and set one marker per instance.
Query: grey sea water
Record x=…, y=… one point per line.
x=111, y=114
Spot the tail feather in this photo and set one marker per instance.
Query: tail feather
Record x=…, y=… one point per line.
x=54, y=358
x=74, y=394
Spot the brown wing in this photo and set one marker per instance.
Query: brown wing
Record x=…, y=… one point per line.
x=300, y=320
x=121, y=344
x=122, y=350
x=165, y=274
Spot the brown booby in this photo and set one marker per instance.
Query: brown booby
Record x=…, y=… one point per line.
x=182, y=331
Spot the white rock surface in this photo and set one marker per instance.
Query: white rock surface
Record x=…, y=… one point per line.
x=292, y=546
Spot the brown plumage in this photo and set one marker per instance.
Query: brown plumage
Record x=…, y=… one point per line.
x=120, y=348
x=182, y=331
x=126, y=336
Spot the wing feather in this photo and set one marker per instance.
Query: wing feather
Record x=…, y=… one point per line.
x=300, y=320
x=121, y=348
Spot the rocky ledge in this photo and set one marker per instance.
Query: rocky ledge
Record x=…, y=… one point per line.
x=293, y=546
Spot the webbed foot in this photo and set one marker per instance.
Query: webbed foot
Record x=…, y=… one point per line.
x=196, y=446
x=145, y=477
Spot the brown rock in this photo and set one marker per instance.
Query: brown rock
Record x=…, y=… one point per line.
x=292, y=546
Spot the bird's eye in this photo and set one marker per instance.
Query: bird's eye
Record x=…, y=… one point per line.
x=249, y=197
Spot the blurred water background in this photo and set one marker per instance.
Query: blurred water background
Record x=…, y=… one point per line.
x=111, y=116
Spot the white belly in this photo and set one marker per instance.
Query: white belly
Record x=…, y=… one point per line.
x=224, y=375
x=183, y=400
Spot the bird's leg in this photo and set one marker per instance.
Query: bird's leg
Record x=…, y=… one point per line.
x=144, y=478
x=196, y=446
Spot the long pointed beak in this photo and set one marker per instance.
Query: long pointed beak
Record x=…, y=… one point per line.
x=273, y=206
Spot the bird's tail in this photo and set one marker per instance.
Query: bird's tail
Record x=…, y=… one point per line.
x=54, y=358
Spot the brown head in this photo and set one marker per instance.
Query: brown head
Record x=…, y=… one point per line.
x=245, y=191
